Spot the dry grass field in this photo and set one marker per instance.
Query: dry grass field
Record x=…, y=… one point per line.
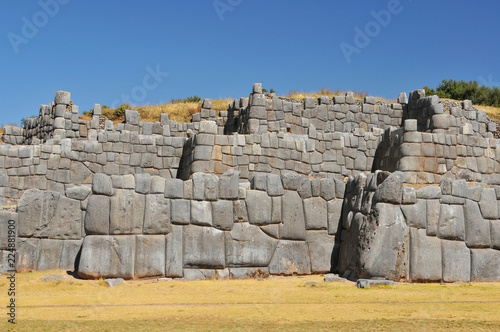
x=280, y=304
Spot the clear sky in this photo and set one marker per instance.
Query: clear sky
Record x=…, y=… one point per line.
x=112, y=51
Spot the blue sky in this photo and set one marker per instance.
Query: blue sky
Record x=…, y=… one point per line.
x=103, y=51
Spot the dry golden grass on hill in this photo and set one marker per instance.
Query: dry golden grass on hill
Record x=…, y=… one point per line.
x=275, y=304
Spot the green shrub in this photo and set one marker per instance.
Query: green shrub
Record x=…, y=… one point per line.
x=120, y=111
x=461, y=90
x=192, y=99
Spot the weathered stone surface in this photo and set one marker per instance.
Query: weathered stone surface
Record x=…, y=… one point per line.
x=8, y=222
x=451, y=223
x=248, y=246
x=49, y=254
x=316, y=213
x=157, y=185
x=36, y=211
x=488, y=204
x=203, y=247
x=67, y=223
x=416, y=214
x=102, y=184
x=157, y=215
x=334, y=214
x=485, y=265
x=222, y=215
x=149, y=256
x=383, y=243
x=293, y=226
x=433, y=213
x=126, y=212
x=107, y=256
x=132, y=117
x=274, y=185
x=69, y=256
x=97, y=215
x=456, y=261
x=174, y=252
x=246, y=273
x=201, y=213
x=228, y=184
x=79, y=173
x=495, y=233
x=425, y=257
x=477, y=230
x=429, y=192
x=259, y=207
x=391, y=190
x=143, y=183
x=321, y=250
x=174, y=188
x=78, y=192
x=181, y=211
x=459, y=188
x=114, y=282
x=290, y=257
x=199, y=274
x=291, y=180
x=27, y=250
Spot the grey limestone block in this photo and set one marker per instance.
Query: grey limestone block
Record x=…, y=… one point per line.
x=474, y=193
x=315, y=187
x=67, y=222
x=149, y=256
x=49, y=255
x=321, y=247
x=334, y=214
x=477, y=230
x=203, y=247
x=416, y=214
x=107, y=256
x=495, y=234
x=488, y=204
x=327, y=189
x=391, y=190
x=459, y=188
x=456, y=261
x=174, y=188
x=409, y=195
x=228, y=184
x=69, y=255
x=291, y=257
x=429, y=192
x=274, y=185
x=201, y=213
x=257, y=88
x=174, y=251
x=97, y=215
x=291, y=180
x=305, y=190
x=198, y=187
x=384, y=248
x=36, y=212
x=78, y=192
x=126, y=212
x=293, y=226
x=27, y=249
x=132, y=117
x=425, y=257
x=259, y=207
x=180, y=211
x=211, y=187
x=451, y=224
x=259, y=181
x=446, y=185
x=366, y=283
x=223, y=215
x=102, y=184
x=240, y=211
x=62, y=97
x=157, y=185
x=248, y=273
x=157, y=215
x=485, y=265
x=143, y=183
x=370, y=100
x=316, y=213
x=248, y=246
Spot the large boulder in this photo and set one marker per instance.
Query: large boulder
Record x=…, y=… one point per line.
x=291, y=257
x=127, y=212
x=37, y=210
x=248, y=246
x=293, y=226
x=203, y=247
x=425, y=256
x=149, y=256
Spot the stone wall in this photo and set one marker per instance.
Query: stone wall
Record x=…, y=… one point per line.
x=447, y=232
x=260, y=189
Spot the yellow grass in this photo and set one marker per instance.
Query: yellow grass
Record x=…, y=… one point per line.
x=299, y=95
x=283, y=304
